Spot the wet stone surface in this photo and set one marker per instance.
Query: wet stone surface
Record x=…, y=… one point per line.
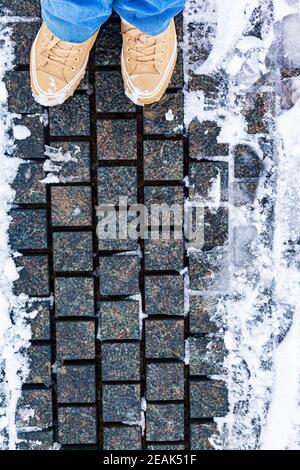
x=71, y=205
x=71, y=118
x=165, y=339
x=28, y=186
x=77, y=425
x=76, y=384
x=208, y=399
x=75, y=340
x=33, y=275
x=201, y=435
x=206, y=356
x=119, y=275
x=40, y=324
x=110, y=95
x=155, y=121
x=119, y=320
x=39, y=364
x=74, y=296
x=164, y=254
x=164, y=295
x=20, y=99
x=34, y=409
x=33, y=146
x=165, y=422
x=116, y=182
x=65, y=258
x=163, y=160
x=122, y=438
x=121, y=403
x=165, y=382
x=120, y=361
x=76, y=169
x=28, y=229
x=116, y=139
x=109, y=44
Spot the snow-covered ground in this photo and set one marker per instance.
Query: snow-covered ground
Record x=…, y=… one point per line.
x=261, y=314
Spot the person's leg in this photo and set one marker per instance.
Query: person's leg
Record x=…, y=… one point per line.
x=149, y=51
x=150, y=16
x=60, y=52
x=75, y=20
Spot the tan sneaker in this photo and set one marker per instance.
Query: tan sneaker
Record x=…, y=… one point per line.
x=147, y=63
x=57, y=67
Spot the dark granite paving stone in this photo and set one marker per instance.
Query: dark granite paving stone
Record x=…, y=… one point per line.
x=207, y=178
x=28, y=229
x=155, y=121
x=39, y=364
x=202, y=311
x=33, y=275
x=20, y=99
x=200, y=41
x=118, y=229
x=208, y=399
x=71, y=117
x=257, y=108
x=120, y=361
x=165, y=382
x=24, y=8
x=121, y=403
x=165, y=339
x=109, y=44
x=71, y=205
x=76, y=384
x=215, y=226
x=164, y=295
x=77, y=168
x=244, y=192
x=247, y=163
x=209, y=270
x=164, y=254
x=28, y=186
x=34, y=409
x=110, y=96
x=116, y=139
x=214, y=87
x=201, y=435
x=165, y=422
x=203, y=140
x=32, y=146
x=206, y=356
x=122, y=438
x=73, y=251
x=119, y=320
x=162, y=447
x=179, y=26
x=35, y=440
x=177, y=80
x=119, y=275
x=75, y=340
x=116, y=182
x=77, y=425
x=163, y=160
x=74, y=296
x=23, y=35
x=40, y=324
x=155, y=196
x=163, y=195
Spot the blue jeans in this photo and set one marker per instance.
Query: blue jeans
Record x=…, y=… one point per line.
x=77, y=20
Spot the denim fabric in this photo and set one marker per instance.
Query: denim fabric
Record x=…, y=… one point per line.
x=77, y=20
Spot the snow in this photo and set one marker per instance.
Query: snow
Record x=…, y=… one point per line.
x=21, y=132
x=14, y=330
x=169, y=115
x=261, y=312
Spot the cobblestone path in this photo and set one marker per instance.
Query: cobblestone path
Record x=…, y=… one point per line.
x=118, y=352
